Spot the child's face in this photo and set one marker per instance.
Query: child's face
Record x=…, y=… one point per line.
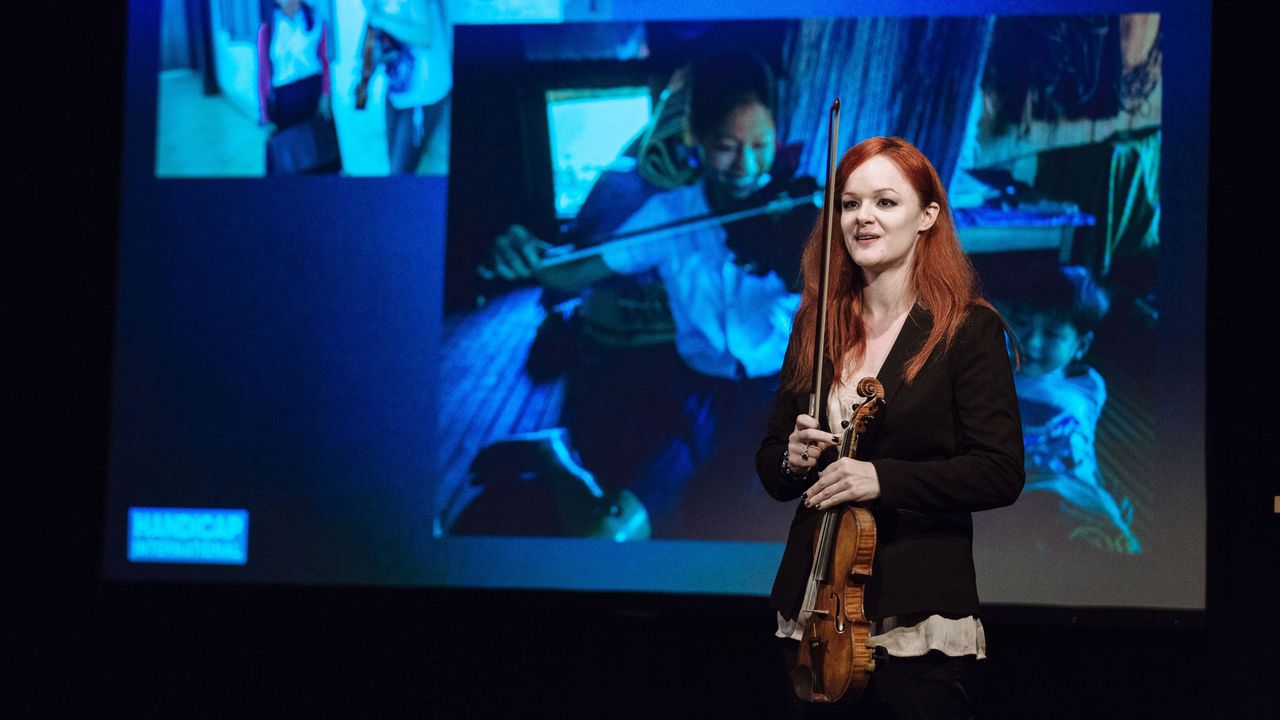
x=1048, y=345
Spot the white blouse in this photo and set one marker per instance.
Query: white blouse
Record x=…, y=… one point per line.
x=730, y=323
x=955, y=638
x=295, y=51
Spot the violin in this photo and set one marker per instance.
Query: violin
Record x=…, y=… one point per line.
x=835, y=659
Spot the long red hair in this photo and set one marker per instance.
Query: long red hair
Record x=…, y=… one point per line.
x=942, y=277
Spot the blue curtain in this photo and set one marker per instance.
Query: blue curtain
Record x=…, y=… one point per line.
x=240, y=19
x=911, y=77
x=175, y=48
x=1133, y=205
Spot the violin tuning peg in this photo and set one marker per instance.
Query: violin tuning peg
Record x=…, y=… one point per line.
x=844, y=424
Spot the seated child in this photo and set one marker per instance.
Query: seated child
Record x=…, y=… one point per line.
x=1060, y=397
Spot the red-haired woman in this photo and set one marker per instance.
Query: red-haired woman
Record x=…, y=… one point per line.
x=905, y=308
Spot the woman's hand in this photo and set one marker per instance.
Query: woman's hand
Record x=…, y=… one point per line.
x=514, y=255
x=806, y=443
x=518, y=254
x=843, y=481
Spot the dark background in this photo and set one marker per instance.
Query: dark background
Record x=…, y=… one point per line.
x=79, y=646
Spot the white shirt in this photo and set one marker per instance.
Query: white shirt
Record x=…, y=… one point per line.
x=295, y=51
x=729, y=322
x=955, y=638
x=427, y=39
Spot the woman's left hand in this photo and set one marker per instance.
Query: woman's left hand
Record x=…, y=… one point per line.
x=844, y=481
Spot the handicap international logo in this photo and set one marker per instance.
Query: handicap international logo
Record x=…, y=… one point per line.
x=189, y=535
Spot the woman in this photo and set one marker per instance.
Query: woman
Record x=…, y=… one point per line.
x=293, y=73
x=904, y=307
x=731, y=128
x=730, y=298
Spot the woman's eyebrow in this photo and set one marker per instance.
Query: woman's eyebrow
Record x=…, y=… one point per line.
x=873, y=192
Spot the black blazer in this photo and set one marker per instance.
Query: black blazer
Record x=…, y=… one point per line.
x=946, y=445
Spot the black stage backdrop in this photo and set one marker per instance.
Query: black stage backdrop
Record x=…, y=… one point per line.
x=81, y=647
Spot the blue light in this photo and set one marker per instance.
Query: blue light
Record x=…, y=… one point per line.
x=203, y=536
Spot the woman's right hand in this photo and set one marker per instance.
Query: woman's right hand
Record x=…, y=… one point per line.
x=516, y=254
x=806, y=443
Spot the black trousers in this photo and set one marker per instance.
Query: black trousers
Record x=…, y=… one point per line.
x=408, y=139
x=932, y=686
x=295, y=102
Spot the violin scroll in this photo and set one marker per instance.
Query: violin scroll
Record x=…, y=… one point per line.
x=871, y=389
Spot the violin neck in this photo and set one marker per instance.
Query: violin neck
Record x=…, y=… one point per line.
x=826, y=546
x=849, y=446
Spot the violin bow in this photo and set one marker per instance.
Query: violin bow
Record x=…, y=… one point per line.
x=816, y=399
x=598, y=244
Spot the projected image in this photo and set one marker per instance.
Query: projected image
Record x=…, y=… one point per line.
x=1086, y=311
x=249, y=88
x=627, y=204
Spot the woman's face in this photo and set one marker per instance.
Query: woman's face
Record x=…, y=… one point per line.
x=738, y=155
x=881, y=216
